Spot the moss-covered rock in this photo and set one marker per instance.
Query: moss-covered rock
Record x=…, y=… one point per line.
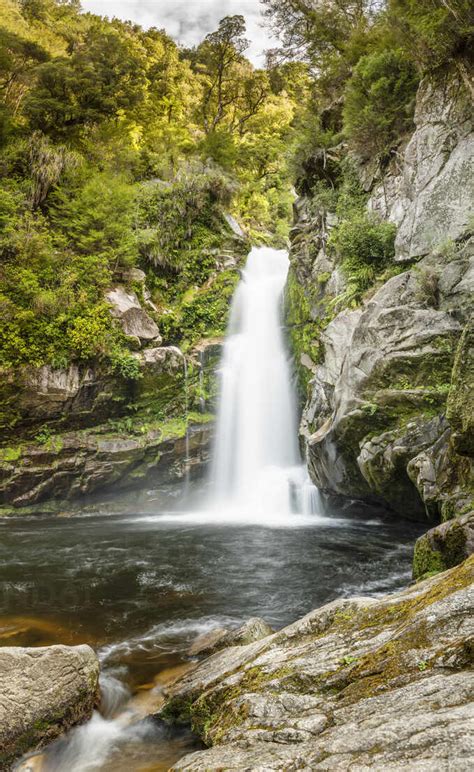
x=359, y=682
x=124, y=454
x=460, y=407
x=445, y=546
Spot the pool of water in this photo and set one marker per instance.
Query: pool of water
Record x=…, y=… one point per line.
x=138, y=586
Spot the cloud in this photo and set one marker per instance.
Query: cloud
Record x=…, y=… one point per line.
x=188, y=21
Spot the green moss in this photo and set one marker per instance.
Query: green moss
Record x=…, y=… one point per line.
x=460, y=407
x=10, y=455
x=426, y=560
x=304, y=330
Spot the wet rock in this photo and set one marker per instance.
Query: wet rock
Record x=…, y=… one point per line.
x=253, y=630
x=445, y=546
x=44, y=691
x=135, y=322
x=359, y=683
x=75, y=464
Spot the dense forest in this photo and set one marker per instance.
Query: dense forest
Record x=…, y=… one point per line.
x=119, y=149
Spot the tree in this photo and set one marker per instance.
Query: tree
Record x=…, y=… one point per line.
x=217, y=58
x=105, y=74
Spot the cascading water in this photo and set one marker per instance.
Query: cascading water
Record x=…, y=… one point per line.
x=257, y=466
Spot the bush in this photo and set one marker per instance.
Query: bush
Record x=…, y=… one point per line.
x=365, y=245
x=379, y=102
x=125, y=365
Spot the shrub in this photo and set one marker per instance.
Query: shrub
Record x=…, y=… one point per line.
x=125, y=365
x=379, y=102
x=365, y=245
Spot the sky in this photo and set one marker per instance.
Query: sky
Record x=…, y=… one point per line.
x=188, y=21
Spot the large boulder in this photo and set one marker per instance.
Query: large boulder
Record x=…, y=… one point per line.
x=135, y=322
x=43, y=692
x=357, y=684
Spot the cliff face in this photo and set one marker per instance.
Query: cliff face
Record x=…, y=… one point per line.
x=85, y=429
x=388, y=403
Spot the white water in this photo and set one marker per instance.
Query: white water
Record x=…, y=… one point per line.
x=257, y=467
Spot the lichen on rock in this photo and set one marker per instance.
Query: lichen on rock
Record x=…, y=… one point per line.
x=374, y=683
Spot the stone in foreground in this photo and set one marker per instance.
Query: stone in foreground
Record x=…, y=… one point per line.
x=358, y=684
x=253, y=629
x=43, y=692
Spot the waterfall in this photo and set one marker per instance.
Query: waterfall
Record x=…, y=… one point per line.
x=257, y=465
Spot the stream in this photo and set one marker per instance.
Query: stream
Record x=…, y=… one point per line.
x=138, y=578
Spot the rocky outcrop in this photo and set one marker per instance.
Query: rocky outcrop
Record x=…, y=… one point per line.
x=356, y=684
x=444, y=546
x=388, y=411
x=77, y=395
x=44, y=691
x=429, y=189
x=80, y=463
x=86, y=431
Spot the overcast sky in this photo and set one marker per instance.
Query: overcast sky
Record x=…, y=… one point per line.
x=188, y=21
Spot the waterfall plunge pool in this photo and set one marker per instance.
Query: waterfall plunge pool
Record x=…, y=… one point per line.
x=140, y=584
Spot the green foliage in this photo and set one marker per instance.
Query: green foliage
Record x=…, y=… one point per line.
x=119, y=150
x=436, y=33
x=378, y=102
x=10, y=455
x=97, y=218
x=125, y=365
x=363, y=243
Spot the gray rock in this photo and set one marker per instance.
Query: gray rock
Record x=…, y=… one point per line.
x=43, y=692
x=357, y=684
x=429, y=191
x=135, y=322
x=253, y=630
x=234, y=226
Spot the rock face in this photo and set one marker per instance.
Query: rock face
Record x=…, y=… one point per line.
x=429, y=193
x=44, y=691
x=357, y=684
x=388, y=415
